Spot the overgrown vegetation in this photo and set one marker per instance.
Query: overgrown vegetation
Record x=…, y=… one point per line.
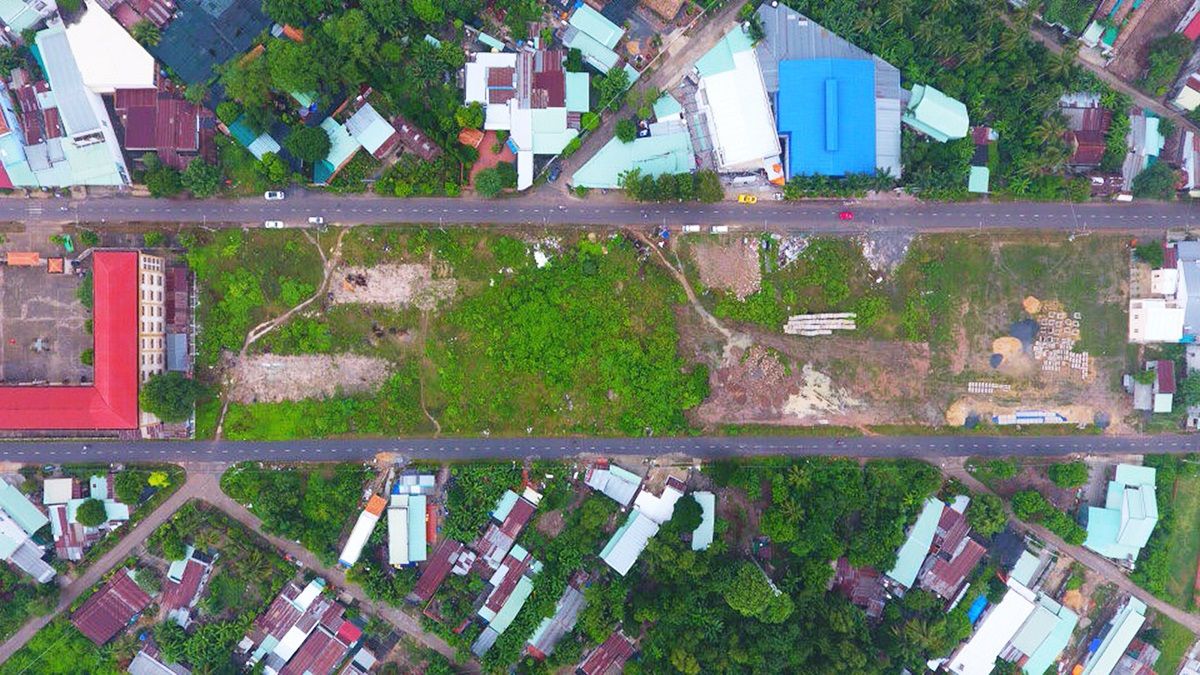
x=1030, y=505
x=1167, y=564
x=308, y=505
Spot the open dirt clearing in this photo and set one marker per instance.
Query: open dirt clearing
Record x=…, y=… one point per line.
x=1156, y=19
x=401, y=285
x=269, y=379
x=731, y=267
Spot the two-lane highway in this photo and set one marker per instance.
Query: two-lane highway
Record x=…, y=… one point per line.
x=805, y=216
x=924, y=447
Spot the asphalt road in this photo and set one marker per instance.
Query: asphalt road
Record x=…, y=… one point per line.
x=924, y=447
x=807, y=216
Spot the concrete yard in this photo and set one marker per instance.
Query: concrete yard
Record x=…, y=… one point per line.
x=37, y=305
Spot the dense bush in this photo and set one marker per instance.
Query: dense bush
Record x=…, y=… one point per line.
x=1068, y=474
x=1033, y=507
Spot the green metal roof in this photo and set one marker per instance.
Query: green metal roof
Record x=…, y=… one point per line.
x=258, y=145
x=979, y=180
x=914, y=549
x=1024, y=568
x=1054, y=643
x=653, y=155
x=1130, y=513
x=98, y=487
x=418, y=549
x=719, y=59
x=342, y=148
x=577, y=90
x=1124, y=626
x=305, y=99
x=490, y=41
x=116, y=510
x=18, y=15
x=703, y=536
x=936, y=115
x=507, y=501
x=512, y=606
x=595, y=53
x=20, y=509
x=666, y=106
x=594, y=24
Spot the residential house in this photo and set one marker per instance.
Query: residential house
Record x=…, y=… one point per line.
x=1116, y=638
x=303, y=631
x=63, y=497
x=19, y=16
x=415, y=140
x=915, y=548
x=19, y=520
x=512, y=513
x=185, y=584
x=616, y=483
x=443, y=560
x=407, y=535
x=1120, y=528
x=511, y=584
x=148, y=661
x=594, y=36
x=1188, y=97
x=343, y=145
x=649, y=512
x=1163, y=387
x=1087, y=124
x=63, y=135
x=1146, y=143
x=954, y=553
x=361, y=663
x=158, y=119
x=375, y=134
x=1042, y=638
x=553, y=628
x=111, y=608
x=702, y=536
x=363, y=528
x=1139, y=659
x=935, y=114
x=862, y=586
x=1026, y=627
x=610, y=656
x=525, y=94
x=668, y=152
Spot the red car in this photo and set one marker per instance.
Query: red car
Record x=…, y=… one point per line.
x=846, y=215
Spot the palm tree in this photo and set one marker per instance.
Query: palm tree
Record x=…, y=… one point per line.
x=973, y=52
x=1050, y=129
x=146, y=33
x=1062, y=65
x=864, y=21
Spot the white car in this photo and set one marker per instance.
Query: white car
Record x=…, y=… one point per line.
x=273, y=224
x=316, y=220
x=274, y=195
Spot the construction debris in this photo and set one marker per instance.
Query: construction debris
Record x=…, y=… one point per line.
x=1055, y=345
x=987, y=387
x=809, y=325
x=790, y=249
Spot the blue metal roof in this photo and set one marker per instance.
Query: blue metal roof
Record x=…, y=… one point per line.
x=826, y=111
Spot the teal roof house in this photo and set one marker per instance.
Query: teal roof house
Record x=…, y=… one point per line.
x=1123, y=526
x=935, y=114
x=915, y=548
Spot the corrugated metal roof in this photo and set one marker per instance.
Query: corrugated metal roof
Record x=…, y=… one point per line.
x=78, y=115
x=21, y=509
x=418, y=547
x=1044, y=655
x=653, y=155
x=597, y=26
x=936, y=115
x=369, y=128
x=553, y=628
x=978, y=655
x=1123, y=627
x=914, y=549
x=703, y=536
x=578, y=94
x=596, y=54
x=627, y=543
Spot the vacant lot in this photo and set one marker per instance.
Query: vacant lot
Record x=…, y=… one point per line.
x=1184, y=551
x=270, y=378
x=399, y=285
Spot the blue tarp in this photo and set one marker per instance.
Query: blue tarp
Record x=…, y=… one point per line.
x=976, y=609
x=826, y=112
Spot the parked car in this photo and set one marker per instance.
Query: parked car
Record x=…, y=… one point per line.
x=555, y=172
x=778, y=196
x=316, y=220
x=846, y=215
x=719, y=229
x=273, y=195
x=273, y=224
x=691, y=228
x=747, y=199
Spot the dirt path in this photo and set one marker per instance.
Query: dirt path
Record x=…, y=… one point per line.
x=203, y=482
x=329, y=264
x=197, y=485
x=1095, y=562
x=401, y=620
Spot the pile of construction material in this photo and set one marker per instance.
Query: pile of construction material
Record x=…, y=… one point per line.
x=809, y=325
x=987, y=388
x=1055, y=346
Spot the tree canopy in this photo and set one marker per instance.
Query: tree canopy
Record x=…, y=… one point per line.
x=170, y=395
x=91, y=513
x=308, y=144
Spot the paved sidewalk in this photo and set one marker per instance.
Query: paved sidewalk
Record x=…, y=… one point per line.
x=1095, y=562
x=193, y=488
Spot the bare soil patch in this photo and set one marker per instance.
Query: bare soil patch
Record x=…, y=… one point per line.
x=1153, y=20
x=551, y=523
x=732, y=267
x=267, y=378
x=402, y=285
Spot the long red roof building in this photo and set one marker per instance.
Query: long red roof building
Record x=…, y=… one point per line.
x=110, y=402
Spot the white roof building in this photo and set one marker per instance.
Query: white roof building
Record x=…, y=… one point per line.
x=978, y=656
x=57, y=490
x=397, y=521
x=108, y=56
x=659, y=508
x=628, y=542
x=1156, y=320
x=362, y=530
x=618, y=484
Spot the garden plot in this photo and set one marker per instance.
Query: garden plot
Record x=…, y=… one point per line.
x=401, y=285
x=268, y=378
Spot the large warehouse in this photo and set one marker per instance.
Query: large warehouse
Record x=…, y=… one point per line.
x=837, y=107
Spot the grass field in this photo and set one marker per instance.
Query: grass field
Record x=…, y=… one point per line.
x=1185, y=542
x=1173, y=641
